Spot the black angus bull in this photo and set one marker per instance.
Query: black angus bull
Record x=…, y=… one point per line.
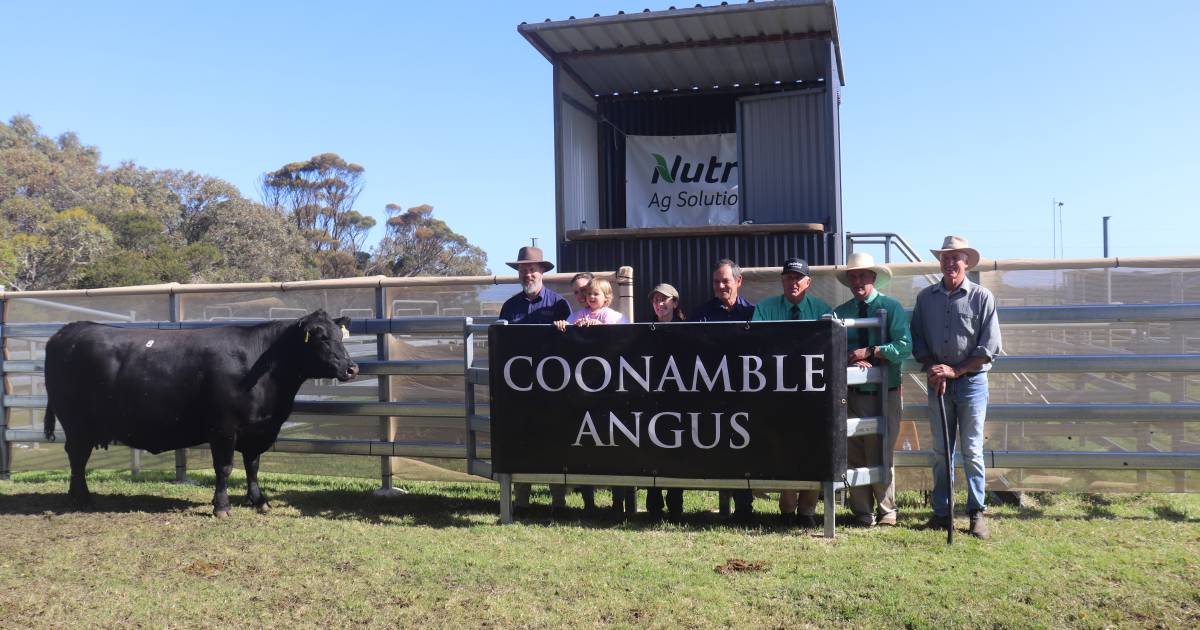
x=160, y=390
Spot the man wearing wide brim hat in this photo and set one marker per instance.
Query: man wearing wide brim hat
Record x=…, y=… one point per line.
x=876, y=503
x=956, y=336
x=535, y=304
x=958, y=244
x=533, y=256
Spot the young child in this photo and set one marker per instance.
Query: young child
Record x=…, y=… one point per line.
x=598, y=293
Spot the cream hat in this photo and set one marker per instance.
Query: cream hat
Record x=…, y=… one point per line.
x=958, y=244
x=863, y=260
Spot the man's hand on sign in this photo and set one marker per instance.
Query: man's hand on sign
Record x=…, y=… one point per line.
x=861, y=355
x=561, y=325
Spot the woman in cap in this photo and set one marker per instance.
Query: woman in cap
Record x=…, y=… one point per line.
x=664, y=300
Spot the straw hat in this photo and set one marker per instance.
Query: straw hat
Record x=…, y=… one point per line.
x=958, y=244
x=531, y=254
x=863, y=260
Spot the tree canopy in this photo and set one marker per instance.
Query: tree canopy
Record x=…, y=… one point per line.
x=69, y=221
x=416, y=244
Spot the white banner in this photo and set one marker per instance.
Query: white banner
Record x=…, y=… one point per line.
x=681, y=180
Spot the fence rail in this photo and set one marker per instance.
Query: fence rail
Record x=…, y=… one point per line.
x=473, y=417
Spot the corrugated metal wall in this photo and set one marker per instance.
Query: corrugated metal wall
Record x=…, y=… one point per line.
x=581, y=196
x=788, y=177
x=686, y=261
x=577, y=155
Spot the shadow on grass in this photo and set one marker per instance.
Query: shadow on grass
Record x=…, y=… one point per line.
x=430, y=510
x=41, y=503
x=1169, y=513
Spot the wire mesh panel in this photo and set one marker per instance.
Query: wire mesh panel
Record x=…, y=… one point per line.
x=1069, y=409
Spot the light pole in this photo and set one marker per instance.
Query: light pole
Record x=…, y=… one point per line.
x=1106, y=235
x=1055, y=227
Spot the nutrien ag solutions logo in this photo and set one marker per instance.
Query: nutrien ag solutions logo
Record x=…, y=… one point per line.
x=712, y=172
x=716, y=171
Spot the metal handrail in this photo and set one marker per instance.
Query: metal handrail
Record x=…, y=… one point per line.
x=882, y=238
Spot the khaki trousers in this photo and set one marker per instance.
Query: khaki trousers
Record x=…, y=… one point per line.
x=865, y=451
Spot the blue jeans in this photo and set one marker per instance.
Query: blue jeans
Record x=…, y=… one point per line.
x=966, y=405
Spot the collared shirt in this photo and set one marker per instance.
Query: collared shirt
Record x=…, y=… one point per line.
x=951, y=327
x=899, y=346
x=545, y=308
x=778, y=307
x=605, y=315
x=714, y=311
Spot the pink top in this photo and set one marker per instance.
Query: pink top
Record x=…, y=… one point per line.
x=603, y=316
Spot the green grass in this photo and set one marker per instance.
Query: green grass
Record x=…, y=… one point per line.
x=331, y=554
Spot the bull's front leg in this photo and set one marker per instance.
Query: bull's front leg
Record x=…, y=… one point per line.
x=253, y=491
x=222, y=454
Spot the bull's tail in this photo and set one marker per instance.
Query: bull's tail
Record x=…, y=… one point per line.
x=49, y=423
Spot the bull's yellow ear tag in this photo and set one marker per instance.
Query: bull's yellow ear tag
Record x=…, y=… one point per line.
x=345, y=332
x=306, y=333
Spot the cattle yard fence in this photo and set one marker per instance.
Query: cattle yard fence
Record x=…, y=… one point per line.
x=328, y=417
x=1097, y=389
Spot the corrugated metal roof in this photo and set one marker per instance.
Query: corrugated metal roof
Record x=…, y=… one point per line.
x=701, y=47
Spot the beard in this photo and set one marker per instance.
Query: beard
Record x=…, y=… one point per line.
x=531, y=287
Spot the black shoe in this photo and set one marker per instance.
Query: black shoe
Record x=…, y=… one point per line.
x=863, y=520
x=744, y=517
x=807, y=521
x=675, y=516
x=938, y=522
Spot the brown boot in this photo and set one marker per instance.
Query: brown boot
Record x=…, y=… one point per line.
x=979, y=528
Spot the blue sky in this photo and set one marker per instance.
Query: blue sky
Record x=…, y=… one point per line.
x=957, y=117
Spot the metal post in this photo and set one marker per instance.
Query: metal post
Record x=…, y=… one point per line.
x=506, y=507
x=830, y=514
x=387, y=430
x=469, y=391
x=5, y=447
x=887, y=451
x=1106, y=235
x=175, y=315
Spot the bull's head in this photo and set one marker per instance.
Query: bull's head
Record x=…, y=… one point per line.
x=323, y=353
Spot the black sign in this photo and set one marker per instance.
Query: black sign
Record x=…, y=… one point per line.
x=705, y=401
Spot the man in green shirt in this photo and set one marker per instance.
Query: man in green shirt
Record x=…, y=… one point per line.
x=795, y=303
x=864, y=277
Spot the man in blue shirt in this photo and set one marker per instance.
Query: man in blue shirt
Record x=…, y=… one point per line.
x=956, y=335
x=727, y=306
x=535, y=304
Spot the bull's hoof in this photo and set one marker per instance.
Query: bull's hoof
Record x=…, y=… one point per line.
x=219, y=513
x=263, y=508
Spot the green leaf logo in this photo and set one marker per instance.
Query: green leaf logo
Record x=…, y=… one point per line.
x=663, y=171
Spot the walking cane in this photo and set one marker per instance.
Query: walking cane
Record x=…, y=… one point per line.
x=949, y=470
